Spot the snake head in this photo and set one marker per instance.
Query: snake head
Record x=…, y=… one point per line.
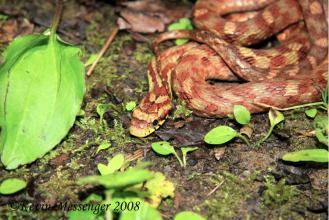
x=151, y=112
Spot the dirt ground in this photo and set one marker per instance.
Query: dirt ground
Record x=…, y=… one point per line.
x=243, y=176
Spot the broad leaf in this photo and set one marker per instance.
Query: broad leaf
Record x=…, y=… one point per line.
x=311, y=112
x=241, y=114
x=316, y=155
x=275, y=117
x=12, y=185
x=119, y=179
x=41, y=90
x=163, y=148
x=220, y=135
x=114, y=164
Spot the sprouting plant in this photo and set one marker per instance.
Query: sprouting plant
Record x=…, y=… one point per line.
x=113, y=165
x=311, y=112
x=223, y=134
x=275, y=118
x=181, y=24
x=130, y=106
x=126, y=190
x=241, y=114
x=165, y=148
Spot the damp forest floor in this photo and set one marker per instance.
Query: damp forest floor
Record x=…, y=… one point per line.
x=230, y=181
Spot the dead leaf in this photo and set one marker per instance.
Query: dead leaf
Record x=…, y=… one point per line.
x=219, y=152
x=247, y=130
x=149, y=16
x=13, y=28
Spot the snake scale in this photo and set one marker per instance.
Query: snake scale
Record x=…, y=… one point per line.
x=219, y=69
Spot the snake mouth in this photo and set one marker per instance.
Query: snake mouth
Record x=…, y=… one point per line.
x=140, y=132
x=142, y=129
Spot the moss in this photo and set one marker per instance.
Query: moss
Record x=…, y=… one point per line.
x=143, y=54
x=277, y=193
x=182, y=110
x=283, y=201
x=231, y=192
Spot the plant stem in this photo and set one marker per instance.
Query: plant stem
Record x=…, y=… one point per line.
x=243, y=138
x=267, y=135
x=302, y=106
x=56, y=18
x=179, y=160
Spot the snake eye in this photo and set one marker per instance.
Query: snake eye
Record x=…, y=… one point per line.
x=155, y=122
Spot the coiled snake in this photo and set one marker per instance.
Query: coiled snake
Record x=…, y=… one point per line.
x=288, y=74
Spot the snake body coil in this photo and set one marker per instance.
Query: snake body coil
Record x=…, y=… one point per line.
x=289, y=74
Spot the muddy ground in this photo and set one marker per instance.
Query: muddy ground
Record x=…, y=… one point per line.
x=243, y=176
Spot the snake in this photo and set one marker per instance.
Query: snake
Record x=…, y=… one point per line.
x=223, y=65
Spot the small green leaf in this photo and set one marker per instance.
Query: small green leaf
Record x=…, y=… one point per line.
x=188, y=215
x=101, y=109
x=241, y=114
x=220, y=135
x=316, y=155
x=181, y=24
x=185, y=150
x=103, y=169
x=321, y=137
x=275, y=117
x=130, y=106
x=12, y=185
x=311, y=112
x=163, y=148
x=103, y=146
x=114, y=165
x=91, y=59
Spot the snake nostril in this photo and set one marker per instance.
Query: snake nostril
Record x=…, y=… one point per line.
x=155, y=122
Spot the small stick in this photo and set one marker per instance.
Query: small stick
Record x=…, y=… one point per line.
x=214, y=189
x=101, y=53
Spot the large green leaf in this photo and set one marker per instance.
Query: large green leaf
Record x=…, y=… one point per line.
x=119, y=179
x=41, y=90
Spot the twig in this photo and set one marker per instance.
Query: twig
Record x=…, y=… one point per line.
x=101, y=53
x=214, y=189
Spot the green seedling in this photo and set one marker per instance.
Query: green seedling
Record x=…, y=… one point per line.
x=165, y=148
x=185, y=150
x=316, y=155
x=181, y=24
x=91, y=59
x=321, y=128
x=101, y=109
x=130, y=106
x=131, y=186
x=103, y=146
x=311, y=112
x=12, y=185
x=113, y=165
x=241, y=114
x=188, y=215
x=275, y=118
x=223, y=134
